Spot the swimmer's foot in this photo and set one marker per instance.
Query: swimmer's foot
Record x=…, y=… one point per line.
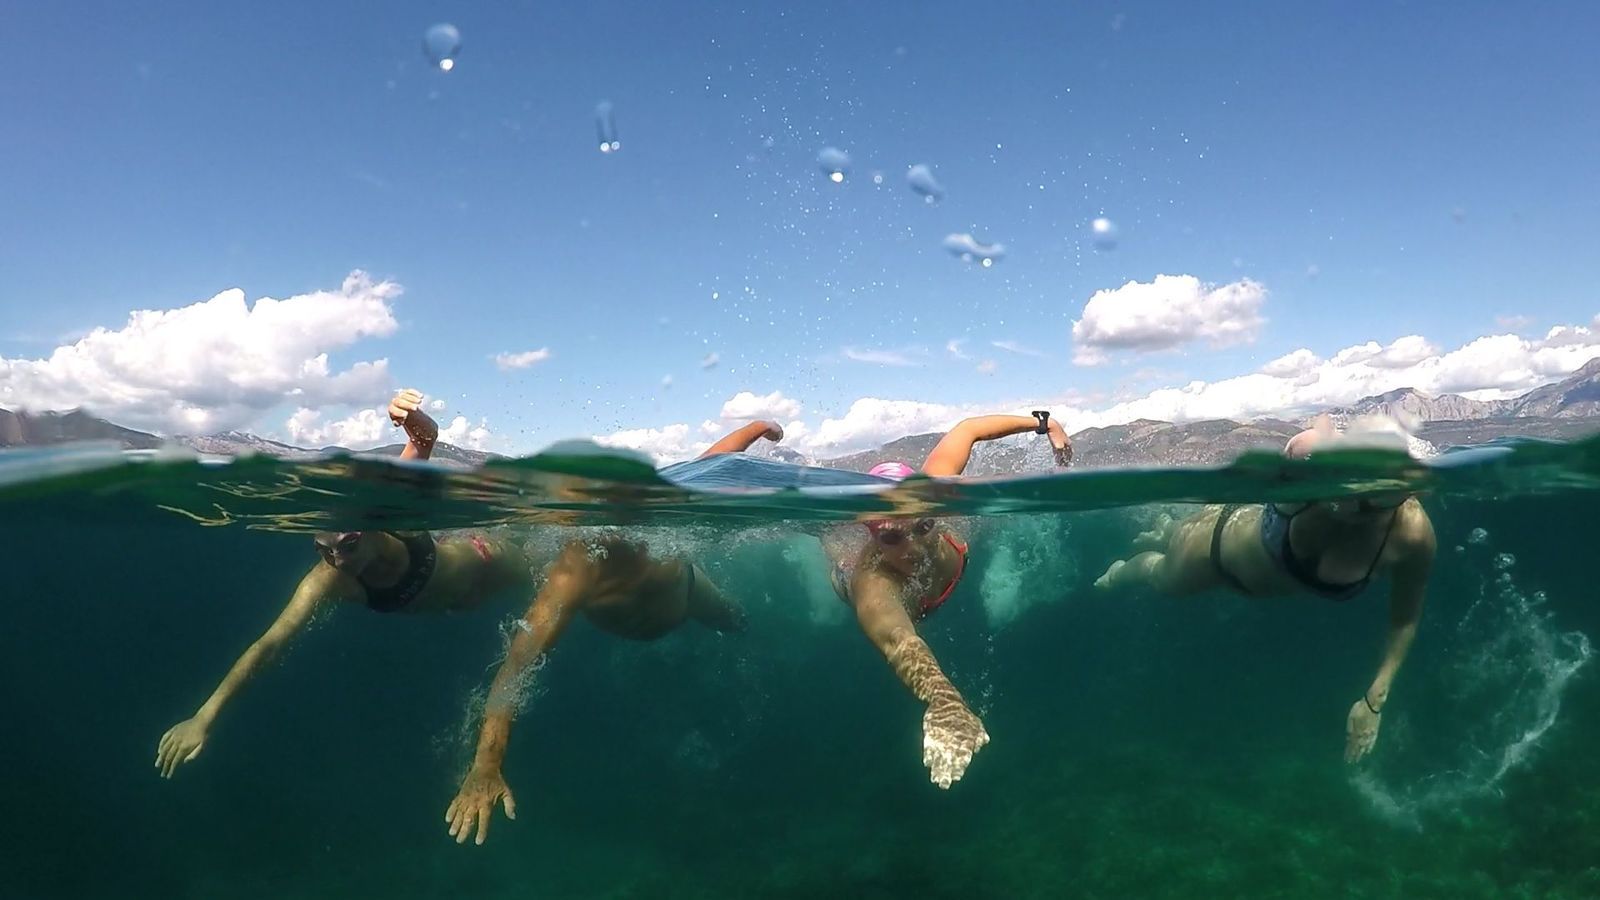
x=1108, y=581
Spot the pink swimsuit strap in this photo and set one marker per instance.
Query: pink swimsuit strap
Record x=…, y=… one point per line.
x=961, y=568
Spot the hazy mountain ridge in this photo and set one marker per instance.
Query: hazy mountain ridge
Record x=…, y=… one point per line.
x=1565, y=410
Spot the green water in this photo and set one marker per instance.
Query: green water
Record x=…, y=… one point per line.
x=1142, y=746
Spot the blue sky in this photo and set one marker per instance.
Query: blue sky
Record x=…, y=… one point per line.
x=1420, y=169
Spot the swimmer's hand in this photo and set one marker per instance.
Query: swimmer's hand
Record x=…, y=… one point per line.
x=951, y=734
x=475, y=803
x=1361, y=731
x=774, y=432
x=405, y=411
x=182, y=743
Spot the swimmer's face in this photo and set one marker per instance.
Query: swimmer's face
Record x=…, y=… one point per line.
x=345, y=550
x=900, y=538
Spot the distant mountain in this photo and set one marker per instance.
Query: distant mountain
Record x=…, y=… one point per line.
x=1565, y=410
x=24, y=429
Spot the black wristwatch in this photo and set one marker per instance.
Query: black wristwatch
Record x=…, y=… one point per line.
x=1043, y=415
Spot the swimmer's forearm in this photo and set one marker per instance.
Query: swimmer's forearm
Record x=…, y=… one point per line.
x=990, y=428
x=1394, y=654
x=913, y=662
x=492, y=740
x=244, y=668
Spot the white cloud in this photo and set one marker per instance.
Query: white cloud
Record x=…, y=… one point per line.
x=214, y=365
x=668, y=444
x=746, y=405
x=436, y=405
x=509, y=361
x=1016, y=347
x=954, y=347
x=878, y=357
x=461, y=433
x=362, y=430
x=1290, y=365
x=1295, y=384
x=988, y=367
x=1168, y=312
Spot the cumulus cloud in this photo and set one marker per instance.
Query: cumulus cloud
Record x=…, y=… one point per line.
x=1296, y=384
x=1168, y=312
x=508, y=361
x=774, y=406
x=462, y=433
x=362, y=430
x=216, y=364
x=878, y=357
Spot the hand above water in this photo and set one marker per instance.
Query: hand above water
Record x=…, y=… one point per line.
x=1361, y=731
x=182, y=743
x=405, y=411
x=951, y=734
x=474, y=805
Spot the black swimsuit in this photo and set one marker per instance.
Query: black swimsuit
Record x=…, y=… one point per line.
x=423, y=558
x=1275, y=526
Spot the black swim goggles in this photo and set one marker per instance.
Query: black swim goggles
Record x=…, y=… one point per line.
x=890, y=535
x=338, y=544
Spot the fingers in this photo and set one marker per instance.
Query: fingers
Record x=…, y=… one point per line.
x=485, y=813
x=510, y=805
x=462, y=826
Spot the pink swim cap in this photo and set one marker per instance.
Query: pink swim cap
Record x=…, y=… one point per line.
x=894, y=471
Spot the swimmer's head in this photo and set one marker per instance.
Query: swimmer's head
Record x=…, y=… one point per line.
x=345, y=550
x=901, y=539
x=1371, y=432
x=894, y=471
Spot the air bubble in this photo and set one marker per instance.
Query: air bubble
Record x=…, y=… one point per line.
x=835, y=163
x=605, y=125
x=1477, y=536
x=1504, y=561
x=441, y=43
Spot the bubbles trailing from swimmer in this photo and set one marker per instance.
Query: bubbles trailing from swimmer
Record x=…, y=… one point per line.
x=605, y=125
x=834, y=163
x=1104, y=233
x=921, y=179
x=441, y=43
x=970, y=248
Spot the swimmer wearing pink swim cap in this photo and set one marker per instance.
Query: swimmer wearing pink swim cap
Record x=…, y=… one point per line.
x=906, y=568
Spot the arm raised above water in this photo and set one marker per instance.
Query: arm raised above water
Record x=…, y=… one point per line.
x=951, y=733
x=184, y=741
x=954, y=450
x=740, y=439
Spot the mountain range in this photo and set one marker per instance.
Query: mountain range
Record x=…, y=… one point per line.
x=1565, y=410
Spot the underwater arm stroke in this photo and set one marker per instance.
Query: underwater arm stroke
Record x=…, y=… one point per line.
x=1406, y=593
x=951, y=733
x=536, y=633
x=184, y=741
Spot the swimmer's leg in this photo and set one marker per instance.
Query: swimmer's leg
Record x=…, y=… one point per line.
x=709, y=606
x=1145, y=569
x=1159, y=535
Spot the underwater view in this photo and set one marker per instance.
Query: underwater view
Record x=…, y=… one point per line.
x=1092, y=450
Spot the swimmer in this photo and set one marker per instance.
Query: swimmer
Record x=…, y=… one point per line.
x=906, y=569
x=386, y=571
x=1332, y=549
x=621, y=589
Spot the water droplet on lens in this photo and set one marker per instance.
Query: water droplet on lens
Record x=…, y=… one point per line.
x=1477, y=536
x=969, y=248
x=605, y=125
x=666, y=382
x=1459, y=214
x=877, y=178
x=834, y=163
x=1105, y=233
x=441, y=43
x=1504, y=561
x=710, y=361
x=921, y=179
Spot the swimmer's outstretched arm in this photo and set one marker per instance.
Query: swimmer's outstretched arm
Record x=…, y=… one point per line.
x=184, y=741
x=537, y=631
x=1409, y=583
x=422, y=432
x=740, y=440
x=951, y=733
x=954, y=450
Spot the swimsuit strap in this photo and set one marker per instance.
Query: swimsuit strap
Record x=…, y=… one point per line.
x=1223, y=518
x=1307, y=574
x=961, y=568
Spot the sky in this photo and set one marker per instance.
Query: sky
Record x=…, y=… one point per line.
x=269, y=217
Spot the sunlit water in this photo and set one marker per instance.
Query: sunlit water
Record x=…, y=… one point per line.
x=1143, y=746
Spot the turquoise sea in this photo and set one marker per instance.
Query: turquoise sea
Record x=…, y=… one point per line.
x=1142, y=746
